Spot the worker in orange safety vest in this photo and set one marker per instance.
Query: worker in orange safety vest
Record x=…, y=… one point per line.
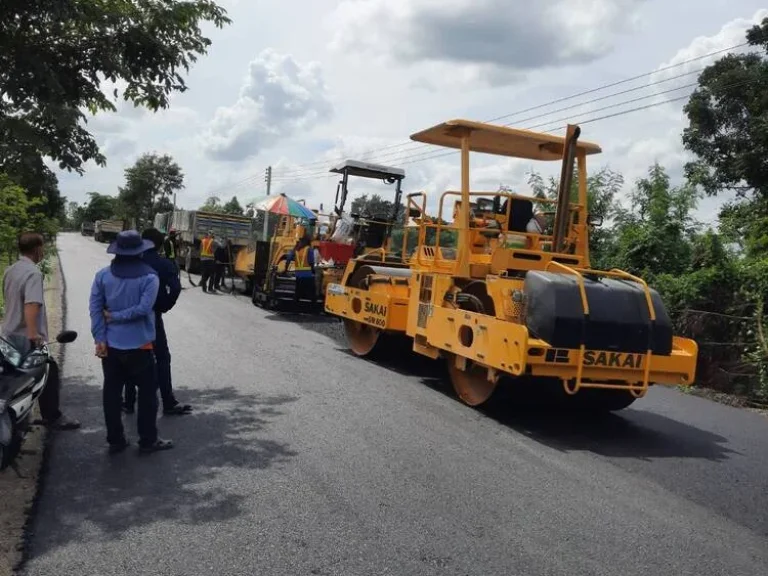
x=207, y=250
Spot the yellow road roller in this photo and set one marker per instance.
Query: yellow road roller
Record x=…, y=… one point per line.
x=515, y=295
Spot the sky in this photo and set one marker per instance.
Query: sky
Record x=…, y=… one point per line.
x=301, y=85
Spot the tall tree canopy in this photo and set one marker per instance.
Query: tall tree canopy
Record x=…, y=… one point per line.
x=233, y=207
x=212, y=204
x=149, y=186
x=728, y=133
x=99, y=207
x=55, y=55
x=727, y=121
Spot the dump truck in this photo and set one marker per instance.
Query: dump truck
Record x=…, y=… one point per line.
x=510, y=301
x=193, y=225
x=87, y=228
x=107, y=230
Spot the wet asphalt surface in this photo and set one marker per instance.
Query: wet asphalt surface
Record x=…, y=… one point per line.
x=301, y=459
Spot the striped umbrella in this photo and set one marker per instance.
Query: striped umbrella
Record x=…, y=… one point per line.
x=284, y=206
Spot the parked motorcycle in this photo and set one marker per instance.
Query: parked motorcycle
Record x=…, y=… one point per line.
x=23, y=377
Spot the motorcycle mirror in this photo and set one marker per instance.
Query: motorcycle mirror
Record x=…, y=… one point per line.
x=66, y=336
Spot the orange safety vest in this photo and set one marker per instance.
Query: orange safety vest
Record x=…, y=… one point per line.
x=206, y=248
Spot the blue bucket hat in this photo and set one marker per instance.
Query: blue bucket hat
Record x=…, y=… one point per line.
x=129, y=243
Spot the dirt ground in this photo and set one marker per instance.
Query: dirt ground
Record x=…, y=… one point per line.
x=18, y=487
x=729, y=399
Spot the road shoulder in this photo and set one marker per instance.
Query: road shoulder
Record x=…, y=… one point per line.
x=19, y=487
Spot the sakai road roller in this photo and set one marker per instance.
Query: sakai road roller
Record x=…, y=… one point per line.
x=369, y=233
x=515, y=297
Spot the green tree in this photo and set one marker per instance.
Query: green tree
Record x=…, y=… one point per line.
x=149, y=185
x=727, y=119
x=375, y=206
x=212, y=204
x=654, y=235
x=55, y=54
x=15, y=209
x=233, y=207
x=603, y=188
x=99, y=207
x=74, y=216
x=727, y=122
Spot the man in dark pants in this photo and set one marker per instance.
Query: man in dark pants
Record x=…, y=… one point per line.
x=207, y=262
x=167, y=295
x=121, y=306
x=221, y=256
x=25, y=321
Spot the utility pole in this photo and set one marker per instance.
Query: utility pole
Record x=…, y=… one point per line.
x=268, y=180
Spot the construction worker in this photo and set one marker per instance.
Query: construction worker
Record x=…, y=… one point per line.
x=303, y=257
x=221, y=256
x=170, y=249
x=207, y=261
x=169, y=245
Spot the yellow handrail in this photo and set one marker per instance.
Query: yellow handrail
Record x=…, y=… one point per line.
x=652, y=316
x=585, y=307
x=616, y=273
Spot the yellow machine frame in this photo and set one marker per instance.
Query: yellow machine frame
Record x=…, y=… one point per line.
x=487, y=338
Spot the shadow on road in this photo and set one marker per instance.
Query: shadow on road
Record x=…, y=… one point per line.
x=101, y=496
x=541, y=413
x=544, y=415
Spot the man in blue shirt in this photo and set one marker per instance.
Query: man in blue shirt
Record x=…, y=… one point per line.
x=123, y=326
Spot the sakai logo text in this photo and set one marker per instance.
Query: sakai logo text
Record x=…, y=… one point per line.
x=593, y=358
x=376, y=309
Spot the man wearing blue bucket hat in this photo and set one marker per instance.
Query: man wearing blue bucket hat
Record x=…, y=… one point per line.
x=123, y=326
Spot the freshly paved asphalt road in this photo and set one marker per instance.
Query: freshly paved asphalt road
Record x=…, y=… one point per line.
x=301, y=459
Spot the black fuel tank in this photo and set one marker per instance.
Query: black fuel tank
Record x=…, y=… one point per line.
x=618, y=313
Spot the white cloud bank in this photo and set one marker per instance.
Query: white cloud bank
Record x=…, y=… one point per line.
x=279, y=98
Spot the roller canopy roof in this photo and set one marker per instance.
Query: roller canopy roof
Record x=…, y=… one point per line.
x=500, y=140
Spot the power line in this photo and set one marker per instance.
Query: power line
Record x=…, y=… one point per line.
x=618, y=83
x=406, y=158
x=607, y=97
x=305, y=167
x=434, y=155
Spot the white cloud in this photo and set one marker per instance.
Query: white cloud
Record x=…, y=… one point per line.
x=682, y=69
x=374, y=73
x=494, y=39
x=279, y=98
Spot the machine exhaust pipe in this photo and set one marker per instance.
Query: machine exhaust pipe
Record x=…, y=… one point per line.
x=564, y=193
